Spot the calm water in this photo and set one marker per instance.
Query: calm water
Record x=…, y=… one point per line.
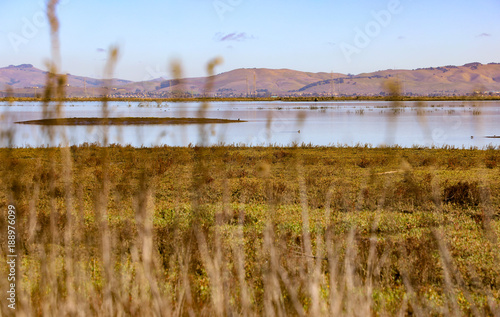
x=319, y=123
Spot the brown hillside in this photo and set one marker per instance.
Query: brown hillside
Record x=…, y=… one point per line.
x=446, y=80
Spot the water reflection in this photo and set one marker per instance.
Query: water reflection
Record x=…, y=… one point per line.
x=454, y=123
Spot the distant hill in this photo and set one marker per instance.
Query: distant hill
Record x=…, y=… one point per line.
x=445, y=80
x=21, y=76
x=25, y=78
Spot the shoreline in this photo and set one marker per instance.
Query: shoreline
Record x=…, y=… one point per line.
x=284, y=99
x=259, y=147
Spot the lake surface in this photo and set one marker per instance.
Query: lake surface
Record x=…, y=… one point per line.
x=438, y=123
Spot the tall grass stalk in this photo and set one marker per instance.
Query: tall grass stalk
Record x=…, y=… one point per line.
x=110, y=230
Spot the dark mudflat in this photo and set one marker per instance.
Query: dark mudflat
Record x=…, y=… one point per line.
x=126, y=121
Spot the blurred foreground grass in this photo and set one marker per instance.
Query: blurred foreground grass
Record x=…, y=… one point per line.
x=253, y=231
x=222, y=231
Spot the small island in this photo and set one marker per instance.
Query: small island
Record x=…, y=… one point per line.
x=127, y=121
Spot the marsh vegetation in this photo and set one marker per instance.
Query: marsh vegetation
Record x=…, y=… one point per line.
x=111, y=230
x=228, y=230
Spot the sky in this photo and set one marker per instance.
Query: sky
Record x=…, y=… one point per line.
x=340, y=36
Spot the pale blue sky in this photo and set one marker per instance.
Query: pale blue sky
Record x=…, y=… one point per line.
x=308, y=35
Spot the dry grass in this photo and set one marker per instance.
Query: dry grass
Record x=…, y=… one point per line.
x=228, y=230
x=225, y=230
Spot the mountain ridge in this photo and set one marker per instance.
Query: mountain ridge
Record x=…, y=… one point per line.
x=25, y=79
